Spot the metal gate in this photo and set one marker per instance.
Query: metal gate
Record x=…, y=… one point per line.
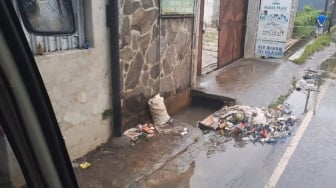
x=232, y=25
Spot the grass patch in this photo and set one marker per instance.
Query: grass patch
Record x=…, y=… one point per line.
x=332, y=29
x=294, y=81
x=280, y=100
x=317, y=45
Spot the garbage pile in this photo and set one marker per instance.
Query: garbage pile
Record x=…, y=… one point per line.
x=253, y=124
x=310, y=81
x=161, y=122
x=149, y=130
x=145, y=131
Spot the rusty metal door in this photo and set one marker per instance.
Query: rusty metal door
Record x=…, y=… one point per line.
x=232, y=23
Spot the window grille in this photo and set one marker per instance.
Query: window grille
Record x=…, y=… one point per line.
x=54, y=43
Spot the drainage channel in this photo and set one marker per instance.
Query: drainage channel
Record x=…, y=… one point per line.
x=202, y=105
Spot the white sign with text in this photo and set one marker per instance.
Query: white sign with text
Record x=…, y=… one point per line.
x=273, y=26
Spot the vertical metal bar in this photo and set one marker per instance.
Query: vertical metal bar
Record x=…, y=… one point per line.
x=80, y=21
x=33, y=42
x=68, y=41
x=48, y=44
x=58, y=44
x=159, y=22
x=307, y=100
x=71, y=42
x=45, y=43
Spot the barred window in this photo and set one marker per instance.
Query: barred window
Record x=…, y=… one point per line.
x=54, y=43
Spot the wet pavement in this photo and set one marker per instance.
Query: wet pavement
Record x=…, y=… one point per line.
x=122, y=163
x=253, y=82
x=258, y=82
x=313, y=164
x=208, y=159
x=218, y=161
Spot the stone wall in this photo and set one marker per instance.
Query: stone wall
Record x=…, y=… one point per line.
x=175, y=47
x=155, y=56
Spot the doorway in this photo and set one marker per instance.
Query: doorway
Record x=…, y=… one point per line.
x=210, y=36
x=223, y=29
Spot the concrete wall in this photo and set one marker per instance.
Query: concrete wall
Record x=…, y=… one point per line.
x=211, y=12
x=156, y=58
x=77, y=82
x=293, y=16
x=252, y=26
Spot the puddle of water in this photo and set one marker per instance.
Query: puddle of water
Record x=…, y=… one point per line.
x=244, y=76
x=198, y=110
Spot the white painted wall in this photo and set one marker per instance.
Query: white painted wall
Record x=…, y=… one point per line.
x=211, y=12
x=77, y=82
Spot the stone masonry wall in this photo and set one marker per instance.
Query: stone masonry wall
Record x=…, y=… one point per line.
x=175, y=48
x=139, y=47
x=150, y=63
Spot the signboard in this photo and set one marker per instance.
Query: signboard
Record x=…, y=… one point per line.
x=177, y=7
x=270, y=48
x=273, y=27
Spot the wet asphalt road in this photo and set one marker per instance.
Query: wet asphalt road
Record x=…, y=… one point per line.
x=313, y=164
x=219, y=162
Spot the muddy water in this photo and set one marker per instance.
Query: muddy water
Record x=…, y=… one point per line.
x=198, y=110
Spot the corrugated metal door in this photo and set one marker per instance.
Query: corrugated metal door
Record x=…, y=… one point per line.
x=232, y=25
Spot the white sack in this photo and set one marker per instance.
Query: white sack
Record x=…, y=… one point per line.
x=158, y=110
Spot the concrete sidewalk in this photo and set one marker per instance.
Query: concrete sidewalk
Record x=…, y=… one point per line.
x=258, y=82
x=122, y=164
x=255, y=82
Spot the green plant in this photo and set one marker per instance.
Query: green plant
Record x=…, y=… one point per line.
x=304, y=25
x=294, y=82
x=107, y=114
x=318, y=44
x=280, y=100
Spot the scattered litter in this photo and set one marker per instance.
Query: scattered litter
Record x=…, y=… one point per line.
x=133, y=134
x=252, y=123
x=148, y=130
x=184, y=132
x=84, y=165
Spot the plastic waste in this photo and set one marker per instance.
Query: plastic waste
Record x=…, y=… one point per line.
x=133, y=134
x=84, y=165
